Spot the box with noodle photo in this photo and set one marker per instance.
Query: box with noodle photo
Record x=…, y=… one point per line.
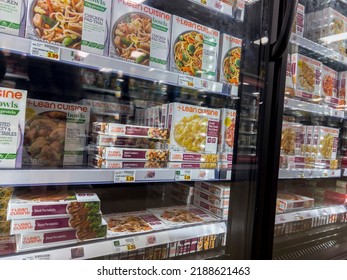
x=81, y=25
x=140, y=34
x=194, y=49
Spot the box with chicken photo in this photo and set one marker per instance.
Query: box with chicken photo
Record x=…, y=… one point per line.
x=81, y=25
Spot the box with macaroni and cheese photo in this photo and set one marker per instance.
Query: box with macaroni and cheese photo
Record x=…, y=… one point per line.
x=194, y=49
x=193, y=128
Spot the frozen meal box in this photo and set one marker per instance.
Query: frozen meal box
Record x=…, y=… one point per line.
x=230, y=60
x=5, y=228
x=12, y=117
x=7, y=245
x=181, y=215
x=25, y=204
x=140, y=34
x=105, y=140
x=307, y=74
x=327, y=144
x=55, y=133
x=194, y=49
x=225, y=157
x=130, y=130
x=131, y=223
x=12, y=17
x=6, y=191
x=178, y=197
x=224, y=165
x=191, y=165
x=296, y=162
x=329, y=85
x=81, y=25
x=289, y=201
x=333, y=22
x=211, y=199
x=335, y=197
x=99, y=162
x=299, y=20
x=289, y=75
x=292, y=138
x=33, y=240
x=76, y=222
x=217, y=189
x=227, y=130
x=192, y=157
x=221, y=213
x=113, y=153
x=183, y=188
x=193, y=128
x=342, y=87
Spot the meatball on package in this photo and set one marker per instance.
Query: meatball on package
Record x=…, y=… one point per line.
x=140, y=34
x=78, y=24
x=55, y=133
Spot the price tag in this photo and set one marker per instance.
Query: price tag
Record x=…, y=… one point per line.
x=38, y=257
x=45, y=50
x=124, y=245
x=183, y=175
x=124, y=176
x=186, y=81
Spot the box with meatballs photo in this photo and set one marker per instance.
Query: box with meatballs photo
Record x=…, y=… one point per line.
x=55, y=133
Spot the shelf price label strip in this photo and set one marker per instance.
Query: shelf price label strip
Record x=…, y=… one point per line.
x=124, y=176
x=44, y=50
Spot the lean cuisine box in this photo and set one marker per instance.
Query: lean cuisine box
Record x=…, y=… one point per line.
x=217, y=189
x=299, y=20
x=55, y=133
x=81, y=25
x=55, y=223
x=230, y=60
x=329, y=85
x=289, y=201
x=12, y=16
x=307, y=75
x=328, y=139
x=194, y=49
x=25, y=204
x=33, y=240
x=193, y=128
x=98, y=162
x=192, y=157
x=140, y=34
x=227, y=130
x=12, y=116
x=132, y=223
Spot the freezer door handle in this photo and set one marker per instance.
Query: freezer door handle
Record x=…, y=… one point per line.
x=279, y=47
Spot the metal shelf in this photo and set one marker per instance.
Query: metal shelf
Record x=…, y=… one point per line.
x=27, y=177
x=308, y=173
x=97, y=248
x=103, y=63
x=294, y=104
x=329, y=57
x=16, y=76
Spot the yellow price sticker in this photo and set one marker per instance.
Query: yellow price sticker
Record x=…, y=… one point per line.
x=186, y=177
x=53, y=55
x=129, y=178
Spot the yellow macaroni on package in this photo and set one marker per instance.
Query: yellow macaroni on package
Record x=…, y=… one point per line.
x=327, y=143
x=193, y=128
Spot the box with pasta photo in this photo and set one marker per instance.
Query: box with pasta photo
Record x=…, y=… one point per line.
x=327, y=144
x=78, y=24
x=230, y=60
x=194, y=49
x=140, y=34
x=329, y=85
x=193, y=128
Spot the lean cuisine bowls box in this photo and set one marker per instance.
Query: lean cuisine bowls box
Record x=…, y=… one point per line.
x=12, y=16
x=79, y=24
x=25, y=204
x=329, y=85
x=194, y=49
x=33, y=240
x=140, y=34
x=181, y=215
x=230, y=60
x=328, y=139
x=55, y=133
x=193, y=128
x=12, y=116
x=132, y=223
x=307, y=74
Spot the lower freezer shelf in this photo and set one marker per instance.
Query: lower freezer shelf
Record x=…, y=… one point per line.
x=177, y=241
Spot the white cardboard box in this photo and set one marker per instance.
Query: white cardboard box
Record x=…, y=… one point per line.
x=12, y=15
x=227, y=130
